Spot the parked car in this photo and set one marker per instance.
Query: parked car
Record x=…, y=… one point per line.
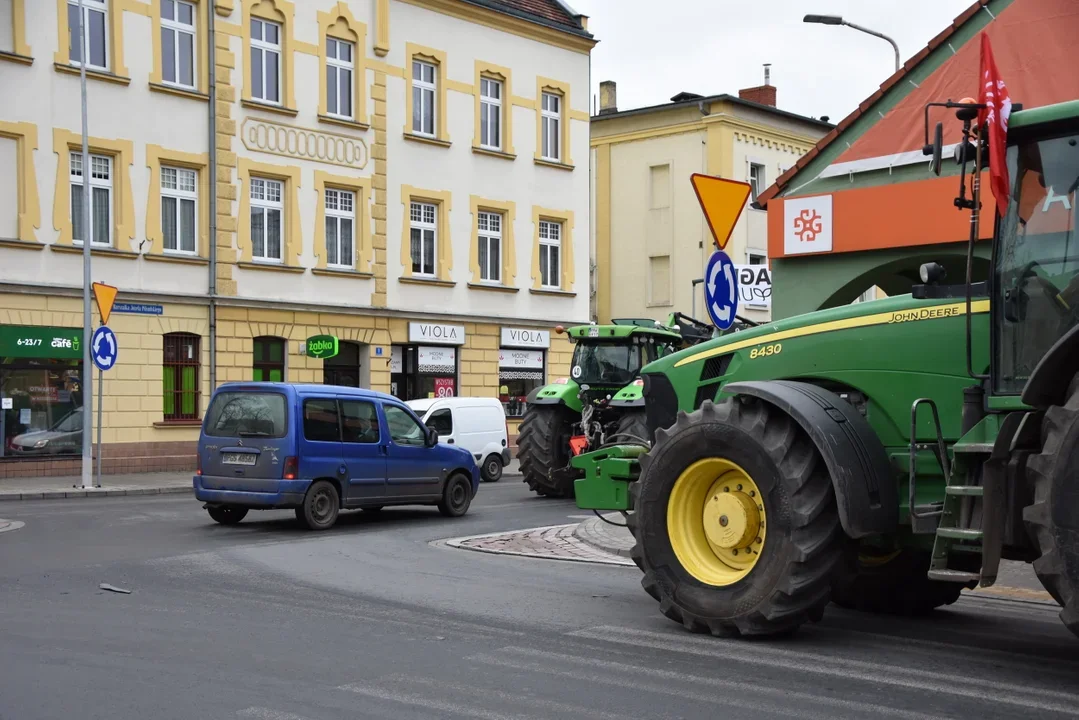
x=476, y=424
x=320, y=449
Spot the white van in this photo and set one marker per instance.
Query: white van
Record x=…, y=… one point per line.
x=476, y=424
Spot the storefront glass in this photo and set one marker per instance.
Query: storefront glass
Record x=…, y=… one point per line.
x=519, y=372
x=423, y=371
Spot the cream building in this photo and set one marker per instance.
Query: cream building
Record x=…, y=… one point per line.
x=650, y=239
x=409, y=177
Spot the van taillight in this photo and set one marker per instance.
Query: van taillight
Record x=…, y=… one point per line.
x=198, y=463
x=292, y=468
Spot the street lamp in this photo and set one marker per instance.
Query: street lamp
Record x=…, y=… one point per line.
x=838, y=20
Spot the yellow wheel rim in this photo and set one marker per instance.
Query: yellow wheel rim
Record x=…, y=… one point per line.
x=716, y=521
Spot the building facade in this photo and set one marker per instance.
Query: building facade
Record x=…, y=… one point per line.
x=651, y=240
x=405, y=182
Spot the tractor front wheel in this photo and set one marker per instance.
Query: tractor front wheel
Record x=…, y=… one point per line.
x=736, y=525
x=542, y=446
x=632, y=427
x=895, y=583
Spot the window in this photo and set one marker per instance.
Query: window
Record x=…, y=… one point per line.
x=100, y=199
x=404, y=430
x=423, y=230
x=267, y=206
x=359, y=422
x=441, y=421
x=423, y=98
x=96, y=47
x=340, y=221
x=757, y=258
x=269, y=360
x=490, y=114
x=551, y=114
x=7, y=26
x=756, y=180
x=490, y=249
x=178, y=43
x=550, y=237
x=180, y=374
x=339, y=69
x=320, y=420
x=178, y=197
x=265, y=61
x=242, y=414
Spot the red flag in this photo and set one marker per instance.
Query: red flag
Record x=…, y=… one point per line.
x=993, y=93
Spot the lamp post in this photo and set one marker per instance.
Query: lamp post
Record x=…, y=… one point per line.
x=838, y=20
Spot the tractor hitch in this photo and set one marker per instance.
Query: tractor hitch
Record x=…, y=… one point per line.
x=607, y=475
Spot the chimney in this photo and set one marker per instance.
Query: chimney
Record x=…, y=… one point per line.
x=608, y=97
x=763, y=94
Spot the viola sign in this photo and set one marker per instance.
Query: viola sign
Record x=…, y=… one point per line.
x=436, y=333
x=526, y=338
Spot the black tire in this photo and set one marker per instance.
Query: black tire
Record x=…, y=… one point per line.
x=321, y=506
x=542, y=446
x=492, y=468
x=1053, y=518
x=456, y=496
x=897, y=585
x=791, y=581
x=632, y=428
x=227, y=515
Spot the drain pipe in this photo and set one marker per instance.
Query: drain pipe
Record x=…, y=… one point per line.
x=212, y=55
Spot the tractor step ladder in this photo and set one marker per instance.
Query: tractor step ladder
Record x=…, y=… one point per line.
x=948, y=533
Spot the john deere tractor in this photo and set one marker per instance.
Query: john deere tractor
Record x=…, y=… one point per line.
x=600, y=401
x=882, y=455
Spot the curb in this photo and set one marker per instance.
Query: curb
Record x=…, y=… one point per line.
x=9, y=525
x=102, y=492
x=601, y=536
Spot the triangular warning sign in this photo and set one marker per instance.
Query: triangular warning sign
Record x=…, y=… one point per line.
x=722, y=201
x=105, y=295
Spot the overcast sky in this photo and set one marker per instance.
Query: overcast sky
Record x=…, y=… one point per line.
x=655, y=49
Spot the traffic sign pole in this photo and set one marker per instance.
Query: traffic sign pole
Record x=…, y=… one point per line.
x=99, y=386
x=87, y=325
x=104, y=349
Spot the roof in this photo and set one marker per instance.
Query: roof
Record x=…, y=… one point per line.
x=552, y=13
x=687, y=99
x=306, y=389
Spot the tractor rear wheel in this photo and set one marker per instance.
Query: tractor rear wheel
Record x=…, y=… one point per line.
x=893, y=583
x=735, y=521
x=1053, y=518
x=542, y=446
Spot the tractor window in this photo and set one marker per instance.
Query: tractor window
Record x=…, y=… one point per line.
x=1036, y=274
x=606, y=363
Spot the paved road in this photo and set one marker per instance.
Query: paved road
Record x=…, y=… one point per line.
x=371, y=620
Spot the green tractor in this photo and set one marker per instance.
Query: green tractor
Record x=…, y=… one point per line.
x=600, y=401
x=884, y=455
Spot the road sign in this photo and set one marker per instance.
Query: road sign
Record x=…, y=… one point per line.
x=104, y=348
x=721, y=290
x=105, y=295
x=722, y=202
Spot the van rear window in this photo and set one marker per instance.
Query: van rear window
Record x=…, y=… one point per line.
x=247, y=414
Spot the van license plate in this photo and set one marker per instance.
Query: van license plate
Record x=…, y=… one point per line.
x=238, y=459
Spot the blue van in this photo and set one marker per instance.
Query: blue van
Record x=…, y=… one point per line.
x=321, y=448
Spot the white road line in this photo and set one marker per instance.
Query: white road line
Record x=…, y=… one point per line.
x=262, y=713
x=429, y=703
x=9, y=525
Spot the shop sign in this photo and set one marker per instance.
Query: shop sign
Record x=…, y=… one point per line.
x=754, y=285
x=322, y=346
x=40, y=342
x=807, y=225
x=525, y=337
x=437, y=359
x=520, y=359
x=443, y=387
x=397, y=363
x=436, y=333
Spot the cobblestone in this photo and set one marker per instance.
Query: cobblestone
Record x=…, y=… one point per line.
x=553, y=542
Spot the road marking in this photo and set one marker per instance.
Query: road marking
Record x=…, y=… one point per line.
x=429, y=703
x=267, y=714
x=9, y=525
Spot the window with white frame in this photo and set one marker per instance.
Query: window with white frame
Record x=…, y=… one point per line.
x=178, y=43
x=340, y=224
x=490, y=247
x=100, y=199
x=550, y=238
x=490, y=114
x=267, y=209
x=757, y=258
x=95, y=23
x=339, y=70
x=551, y=116
x=424, y=232
x=423, y=98
x=756, y=180
x=265, y=61
x=179, y=196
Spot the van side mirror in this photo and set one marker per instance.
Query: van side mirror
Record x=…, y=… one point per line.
x=432, y=437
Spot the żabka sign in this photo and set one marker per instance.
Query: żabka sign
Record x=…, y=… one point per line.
x=436, y=333
x=322, y=346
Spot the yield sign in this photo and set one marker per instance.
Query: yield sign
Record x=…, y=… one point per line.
x=722, y=201
x=105, y=295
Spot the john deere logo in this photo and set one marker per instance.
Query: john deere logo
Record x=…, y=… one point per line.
x=322, y=346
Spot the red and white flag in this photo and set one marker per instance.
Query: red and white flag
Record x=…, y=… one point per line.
x=993, y=93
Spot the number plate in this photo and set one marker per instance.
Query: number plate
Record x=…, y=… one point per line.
x=238, y=459
x=593, y=332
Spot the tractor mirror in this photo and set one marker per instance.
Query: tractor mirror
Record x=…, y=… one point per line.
x=938, y=148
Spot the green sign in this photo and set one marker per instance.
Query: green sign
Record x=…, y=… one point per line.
x=40, y=342
x=322, y=346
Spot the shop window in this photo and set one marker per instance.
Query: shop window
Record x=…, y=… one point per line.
x=269, y=365
x=100, y=199
x=519, y=372
x=551, y=131
x=96, y=24
x=490, y=246
x=359, y=422
x=441, y=421
x=40, y=378
x=320, y=420
x=490, y=114
x=424, y=92
x=340, y=227
x=424, y=237
x=418, y=371
x=550, y=245
x=179, y=195
x=180, y=374
x=339, y=72
x=178, y=43
x=267, y=228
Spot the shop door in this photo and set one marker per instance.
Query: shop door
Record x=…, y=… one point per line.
x=344, y=368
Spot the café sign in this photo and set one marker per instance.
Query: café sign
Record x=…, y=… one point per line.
x=419, y=332
x=526, y=338
x=41, y=342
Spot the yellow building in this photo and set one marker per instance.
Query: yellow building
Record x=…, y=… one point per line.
x=408, y=178
x=650, y=239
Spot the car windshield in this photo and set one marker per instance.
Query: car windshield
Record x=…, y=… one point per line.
x=605, y=363
x=247, y=414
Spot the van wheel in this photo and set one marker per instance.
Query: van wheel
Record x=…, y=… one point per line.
x=492, y=469
x=227, y=515
x=456, y=496
x=320, y=506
